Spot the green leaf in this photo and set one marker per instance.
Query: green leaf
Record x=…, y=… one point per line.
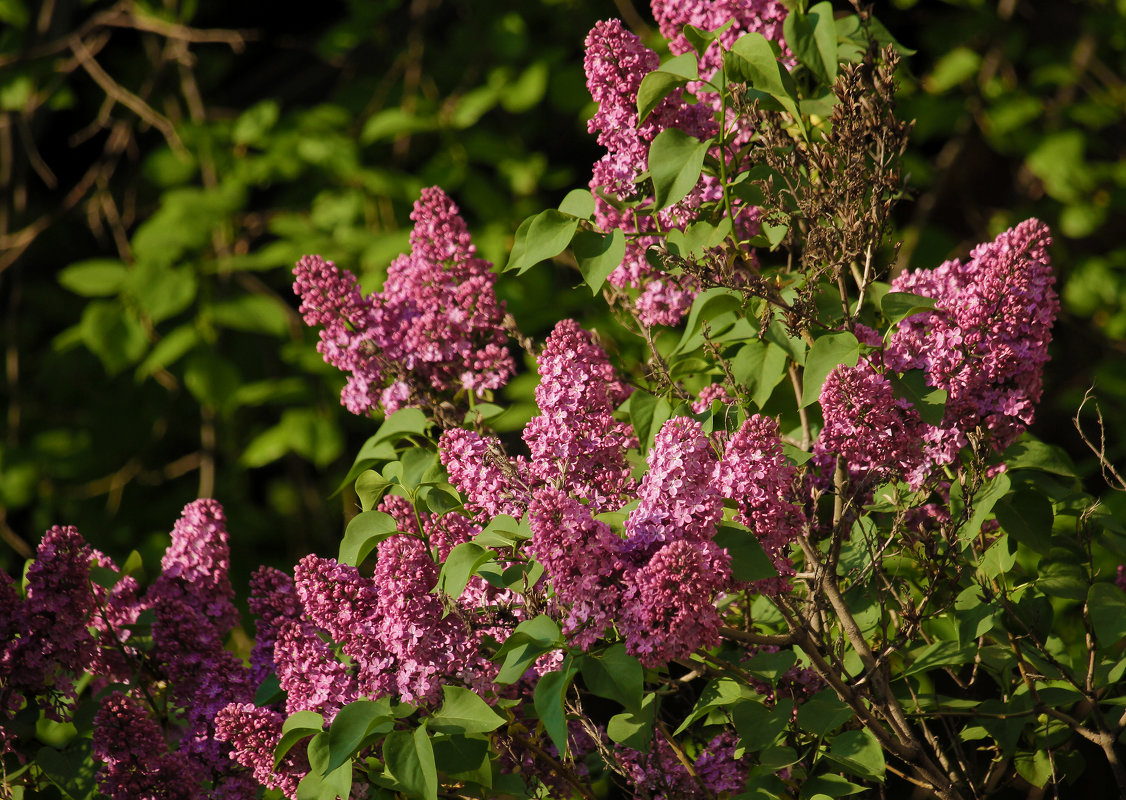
x=1030, y=453
x=749, y=562
x=823, y=713
x=859, y=752
x=813, y=39
x=546, y=236
x=97, y=277
x=365, y=530
x=719, y=693
x=759, y=366
x=211, y=379
x=417, y=462
x=752, y=60
x=161, y=291
x=464, y=759
x=578, y=203
x=297, y=727
x=701, y=39
x=708, y=305
x=73, y=770
x=770, y=666
x=1106, y=605
x=997, y=559
x=253, y=124
x=676, y=160
x=548, y=700
x=828, y=786
x=459, y=566
x=944, y=653
x=463, y=711
x=1034, y=767
x=502, y=531
x=647, y=414
x=984, y=501
x=530, y=640
x=598, y=255
x=254, y=313
x=351, y=725
x=898, y=306
x=656, y=86
x=827, y=353
x=616, y=675
x=113, y=334
x=269, y=691
x=370, y=487
x=634, y=729
x=409, y=757
x=1027, y=516
x=912, y=386
x=168, y=350
x=760, y=727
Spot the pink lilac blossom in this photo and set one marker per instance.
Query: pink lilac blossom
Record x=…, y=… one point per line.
x=755, y=473
x=986, y=342
x=580, y=556
x=253, y=733
x=575, y=443
x=1120, y=577
x=678, y=500
x=135, y=761
x=721, y=773
x=436, y=322
x=195, y=567
x=490, y=481
x=879, y=436
x=615, y=63
x=273, y=602
x=309, y=673
x=747, y=16
x=116, y=610
x=668, y=605
x=660, y=775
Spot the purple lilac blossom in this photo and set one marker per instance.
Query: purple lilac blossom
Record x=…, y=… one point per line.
x=193, y=613
x=490, y=481
x=580, y=556
x=53, y=641
x=135, y=761
x=435, y=323
x=986, y=341
x=677, y=497
x=660, y=775
x=273, y=602
x=879, y=435
x=755, y=473
x=309, y=673
x=575, y=443
x=253, y=733
x=615, y=63
x=668, y=605
x=746, y=16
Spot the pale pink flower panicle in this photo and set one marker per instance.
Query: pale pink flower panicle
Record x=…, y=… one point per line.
x=253, y=734
x=746, y=16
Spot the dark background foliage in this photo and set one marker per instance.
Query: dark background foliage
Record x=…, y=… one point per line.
x=163, y=165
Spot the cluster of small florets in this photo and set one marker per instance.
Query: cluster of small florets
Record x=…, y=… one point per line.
x=435, y=323
x=986, y=342
x=746, y=16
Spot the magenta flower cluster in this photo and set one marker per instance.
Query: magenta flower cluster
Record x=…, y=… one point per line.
x=436, y=322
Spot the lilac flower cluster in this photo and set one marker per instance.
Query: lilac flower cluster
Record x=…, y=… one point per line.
x=615, y=62
x=986, y=342
x=746, y=16
x=436, y=322
x=661, y=775
x=755, y=473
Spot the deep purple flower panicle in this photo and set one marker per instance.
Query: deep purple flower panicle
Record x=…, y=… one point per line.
x=273, y=602
x=668, y=606
x=135, y=761
x=575, y=443
x=253, y=733
x=879, y=435
x=986, y=342
x=54, y=642
x=580, y=556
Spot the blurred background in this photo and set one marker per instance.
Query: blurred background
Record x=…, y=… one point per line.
x=162, y=166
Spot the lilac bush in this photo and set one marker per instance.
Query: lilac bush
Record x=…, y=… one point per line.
x=803, y=547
